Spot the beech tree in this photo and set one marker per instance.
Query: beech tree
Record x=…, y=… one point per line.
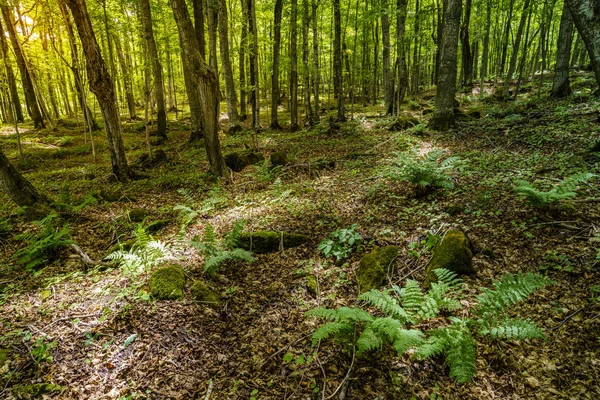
x=19, y=189
x=234, y=118
x=560, y=85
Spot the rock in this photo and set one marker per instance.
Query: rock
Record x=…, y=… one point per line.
x=144, y=161
x=454, y=209
x=489, y=253
x=373, y=267
x=404, y=122
x=311, y=286
x=156, y=226
x=167, y=283
x=36, y=390
x=279, y=159
x=268, y=241
x=110, y=196
x=204, y=293
x=532, y=382
x=453, y=253
x=138, y=214
x=238, y=161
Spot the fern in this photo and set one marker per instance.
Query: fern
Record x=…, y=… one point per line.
x=44, y=244
x=405, y=310
x=563, y=191
x=217, y=253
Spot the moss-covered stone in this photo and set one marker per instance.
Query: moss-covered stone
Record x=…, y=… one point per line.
x=110, y=195
x=238, y=161
x=311, y=286
x=454, y=253
x=156, y=226
x=374, y=267
x=138, y=214
x=279, y=159
x=454, y=209
x=3, y=356
x=36, y=390
x=268, y=241
x=404, y=122
x=204, y=293
x=167, y=283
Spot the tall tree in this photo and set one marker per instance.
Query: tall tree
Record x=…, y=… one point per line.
x=242, y=60
x=316, y=75
x=159, y=89
x=294, y=67
x=388, y=88
x=198, y=6
x=102, y=86
x=212, y=12
x=10, y=76
x=337, y=60
x=234, y=118
x=305, y=67
x=515, y=51
x=586, y=15
x=467, y=60
x=204, y=85
x=445, y=101
x=275, y=93
x=486, y=46
x=31, y=98
x=402, y=73
x=253, y=61
x=560, y=85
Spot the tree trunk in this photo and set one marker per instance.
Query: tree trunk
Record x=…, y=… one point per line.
x=196, y=116
x=234, y=118
x=337, y=61
x=467, y=60
x=401, y=54
x=31, y=99
x=515, y=51
x=159, y=89
x=445, y=102
x=486, y=47
x=316, y=73
x=294, y=67
x=127, y=80
x=275, y=93
x=212, y=12
x=586, y=15
x=306, y=69
x=102, y=86
x=243, y=45
x=388, y=88
x=561, y=86
x=199, y=26
x=204, y=83
x=10, y=76
x=254, y=77
x=506, y=37
x=19, y=189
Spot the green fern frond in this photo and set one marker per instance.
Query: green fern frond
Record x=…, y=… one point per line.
x=448, y=278
x=324, y=313
x=514, y=329
x=331, y=329
x=355, y=315
x=233, y=238
x=433, y=346
x=461, y=354
x=406, y=339
x=368, y=341
x=386, y=304
x=411, y=296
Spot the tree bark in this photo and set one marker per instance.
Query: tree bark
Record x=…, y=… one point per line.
x=586, y=15
x=243, y=45
x=199, y=26
x=337, y=61
x=212, y=12
x=388, y=88
x=401, y=54
x=467, y=60
x=234, y=118
x=102, y=86
x=275, y=92
x=445, y=102
x=305, y=67
x=253, y=56
x=19, y=189
x=515, y=51
x=316, y=75
x=204, y=84
x=127, y=80
x=486, y=47
x=10, y=76
x=31, y=99
x=561, y=86
x=159, y=89
x=294, y=67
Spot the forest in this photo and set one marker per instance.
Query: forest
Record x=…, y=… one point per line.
x=299, y=199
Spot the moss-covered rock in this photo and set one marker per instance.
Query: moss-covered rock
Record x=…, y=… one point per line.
x=454, y=253
x=3, y=356
x=311, y=285
x=156, y=226
x=238, y=161
x=167, y=283
x=204, y=293
x=110, y=196
x=268, y=241
x=279, y=159
x=404, y=122
x=36, y=390
x=138, y=214
x=374, y=267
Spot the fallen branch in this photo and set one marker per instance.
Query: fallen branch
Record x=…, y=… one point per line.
x=87, y=261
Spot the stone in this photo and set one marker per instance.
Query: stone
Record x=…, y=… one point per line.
x=454, y=253
x=167, y=283
x=311, y=286
x=138, y=214
x=375, y=266
x=268, y=241
x=110, y=196
x=36, y=390
x=156, y=226
x=204, y=293
x=279, y=159
x=238, y=161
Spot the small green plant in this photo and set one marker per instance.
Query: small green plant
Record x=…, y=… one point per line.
x=556, y=262
x=341, y=243
x=402, y=312
x=144, y=254
x=427, y=173
x=40, y=352
x=264, y=172
x=43, y=245
x=560, y=193
x=5, y=228
x=217, y=252
x=417, y=248
x=190, y=210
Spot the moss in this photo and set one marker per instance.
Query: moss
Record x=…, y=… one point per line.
x=238, y=161
x=279, y=159
x=373, y=267
x=127, y=245
x=268, y=241
x=138, y=214
x=3, y=356
x=204, y=293
x=453, y=253
x=36, y=390
x=167, y=283
x=109, y=196
x=454, y=209
x=404, y=122
x=156, y=226
x=311, y=286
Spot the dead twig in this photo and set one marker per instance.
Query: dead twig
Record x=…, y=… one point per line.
x=87, y=261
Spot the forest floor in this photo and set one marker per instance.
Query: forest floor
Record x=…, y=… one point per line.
x=108, y=340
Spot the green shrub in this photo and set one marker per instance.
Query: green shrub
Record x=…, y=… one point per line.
x=341, y=243
x=408, y=316
x=560, y=193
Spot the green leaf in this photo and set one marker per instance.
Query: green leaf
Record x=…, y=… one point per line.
x=129, y=340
